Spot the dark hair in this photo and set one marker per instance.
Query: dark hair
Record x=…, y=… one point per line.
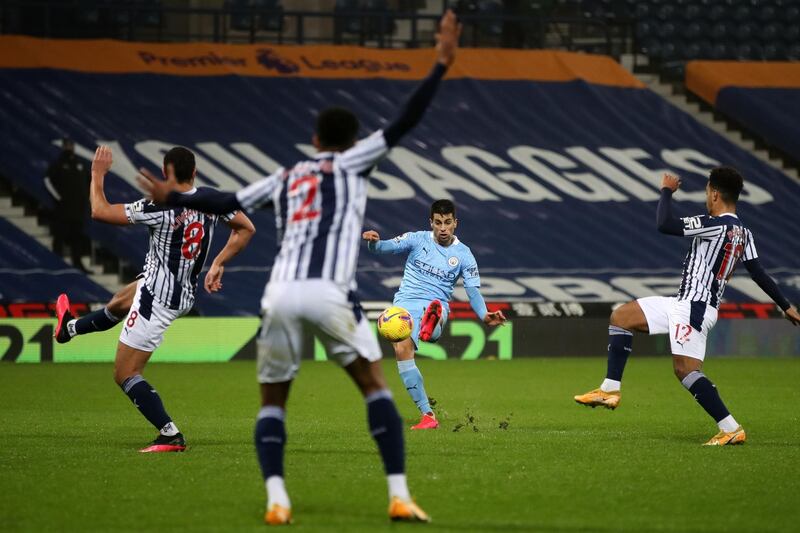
x=727, y=182
x=337, y=127
x=443, y=207
x=182, y=160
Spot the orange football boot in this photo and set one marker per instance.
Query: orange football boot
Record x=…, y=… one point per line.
x=609, y=400
x=406, y=511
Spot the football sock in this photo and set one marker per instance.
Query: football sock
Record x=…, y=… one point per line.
x=412, y=379
x=147, y=400
x=276, y=492
x=437, y=331
x=270, y=438
x=386, y=428
x=99, y=320
x=619, y=348
x=170, y=430
x=398, y=486
x=610, y=385
x=728, y=424
x=706, y=394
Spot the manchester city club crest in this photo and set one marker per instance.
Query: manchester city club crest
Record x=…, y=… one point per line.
x=453, y=261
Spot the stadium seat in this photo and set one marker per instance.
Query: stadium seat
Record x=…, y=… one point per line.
x=745, y=31
x=771, y=32
x=716, y=12
x=749, y=50
x=666, y=30
x=665, y=12
x=240, y=17
x=742, y=13
x=646, y=28
x=720, y=30
x=722, y=50
x=693, y=30
x=775, y=51
x=270, y=14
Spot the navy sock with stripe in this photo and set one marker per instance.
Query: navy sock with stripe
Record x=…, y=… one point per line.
x=147, y=400
x=99, y=320
x=706, y=394
x=386, y=428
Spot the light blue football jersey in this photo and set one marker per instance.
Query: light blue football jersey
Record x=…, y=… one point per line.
x=431, y=270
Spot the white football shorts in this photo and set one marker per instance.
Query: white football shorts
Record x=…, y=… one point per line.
x=687, y=323
x=147, y=320
x=296, y=311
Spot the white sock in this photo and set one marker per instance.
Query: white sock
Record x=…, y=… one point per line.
x=169, y=430
x=398, y=486
x=610, y=385
x=71, y=327
x=276, y=492
x=728, y=424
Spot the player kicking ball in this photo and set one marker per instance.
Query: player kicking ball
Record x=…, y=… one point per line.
x=719, y=240
x=436, y=259
x=179, y=243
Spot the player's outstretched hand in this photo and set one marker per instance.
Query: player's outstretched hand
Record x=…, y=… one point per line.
x=671, y=182
x=371, y=236
x=447, y=38
x=213, y=281
x=156, y=189
x=102, y=161
x=494, y=318
x=793, y=316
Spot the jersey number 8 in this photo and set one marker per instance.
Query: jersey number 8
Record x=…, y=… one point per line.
x=192, y=240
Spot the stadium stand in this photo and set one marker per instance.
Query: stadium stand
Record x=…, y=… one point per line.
x=31, y=273
x=575, y=167
x=672, y=32
x=763, y=98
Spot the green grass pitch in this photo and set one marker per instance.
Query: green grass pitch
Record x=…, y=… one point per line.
x=525, y=456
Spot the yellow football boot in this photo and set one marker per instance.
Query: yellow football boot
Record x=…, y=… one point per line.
x=723, y=438
x=278, y=515
x=609, y=400
x=406, y=511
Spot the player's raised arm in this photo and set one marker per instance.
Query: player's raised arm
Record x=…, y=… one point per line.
x=242, y=230
x=446, y=46
x=209, y=200
x=101, y=209
x=400, y=244
x=667, y=223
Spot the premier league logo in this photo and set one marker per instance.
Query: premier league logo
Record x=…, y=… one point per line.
x=272, y=61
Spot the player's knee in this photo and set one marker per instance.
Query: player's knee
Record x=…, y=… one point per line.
x=404, y=350
x=118, y=306
x=683, y=367
x=618, y=317
x=124, y=370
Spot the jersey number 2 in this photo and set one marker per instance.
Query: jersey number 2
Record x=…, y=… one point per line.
x=192, y=240
x=305, y=211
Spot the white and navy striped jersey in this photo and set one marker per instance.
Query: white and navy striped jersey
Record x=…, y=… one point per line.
x=319, y=210
x=179, y=243
x=719, y=242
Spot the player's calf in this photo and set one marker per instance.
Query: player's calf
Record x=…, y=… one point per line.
x=706, y=394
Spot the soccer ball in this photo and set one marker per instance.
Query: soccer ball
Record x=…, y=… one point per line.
x=395, y=324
